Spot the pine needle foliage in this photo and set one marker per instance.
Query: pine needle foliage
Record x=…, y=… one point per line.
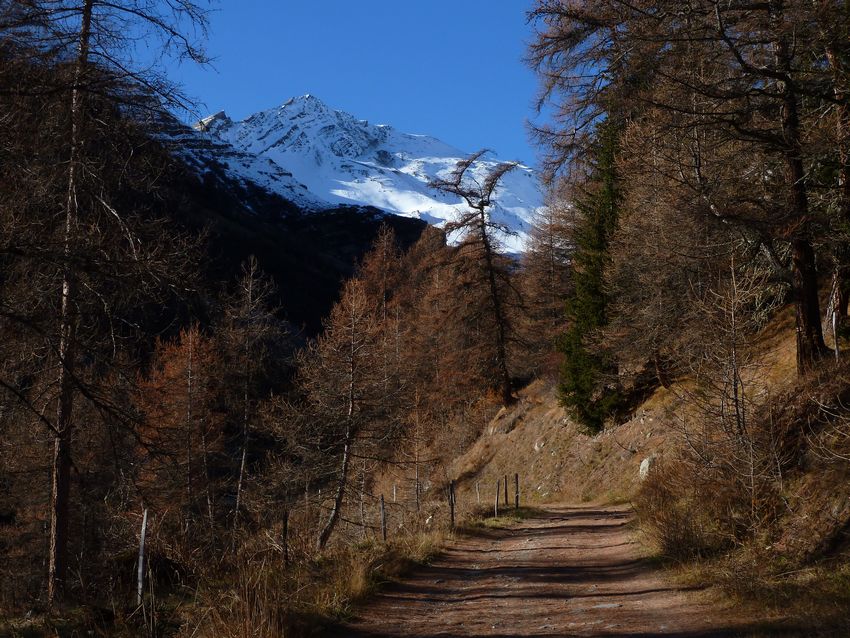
x=587, y=380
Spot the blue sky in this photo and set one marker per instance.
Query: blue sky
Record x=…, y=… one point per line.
x=448, y=68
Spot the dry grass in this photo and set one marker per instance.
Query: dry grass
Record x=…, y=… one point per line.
x=268, y=600
x=70, y=623
x=484, y=519
x=813, y=600
x=557, y=463
x=792, y=558
x=256, y=596
x=776, y=351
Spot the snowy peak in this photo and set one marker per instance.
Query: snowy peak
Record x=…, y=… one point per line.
x=344, y=160
x=214, y=123
x=306, y=124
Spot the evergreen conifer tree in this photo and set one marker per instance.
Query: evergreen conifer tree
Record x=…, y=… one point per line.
x=585, y=386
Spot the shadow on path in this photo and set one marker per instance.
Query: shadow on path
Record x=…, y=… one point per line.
x=564, y=572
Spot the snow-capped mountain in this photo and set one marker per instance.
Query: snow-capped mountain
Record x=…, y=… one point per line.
x=324, y=157
x=205, y=153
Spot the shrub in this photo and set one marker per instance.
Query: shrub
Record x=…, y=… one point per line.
x=686, y=517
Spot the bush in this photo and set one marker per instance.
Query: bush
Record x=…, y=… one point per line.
x=686, y=517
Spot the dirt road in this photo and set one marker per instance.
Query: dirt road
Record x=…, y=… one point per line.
x=567, y=571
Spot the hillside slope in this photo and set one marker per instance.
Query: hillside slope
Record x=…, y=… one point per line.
x=557, y=463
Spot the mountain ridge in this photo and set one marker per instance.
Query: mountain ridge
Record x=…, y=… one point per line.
x=329, y=158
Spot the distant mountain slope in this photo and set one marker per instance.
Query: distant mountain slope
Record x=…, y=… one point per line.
x=245, y=204
x=328, y=158
x=206, y=154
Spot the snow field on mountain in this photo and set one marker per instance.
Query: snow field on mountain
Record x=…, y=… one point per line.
x=341, y=160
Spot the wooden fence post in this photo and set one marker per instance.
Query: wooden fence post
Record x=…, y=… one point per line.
x=140, y=575
x=363, y=500
x=516, y=490
x=506, y=491
x=416, y=487
x=285, y=537
x=452, y=503
x=383, y=519
x=478, y=491
x=496, y=503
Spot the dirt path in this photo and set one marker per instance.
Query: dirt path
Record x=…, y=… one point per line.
x=569, y=571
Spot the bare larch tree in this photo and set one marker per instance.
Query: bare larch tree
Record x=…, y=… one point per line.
x=478, y=229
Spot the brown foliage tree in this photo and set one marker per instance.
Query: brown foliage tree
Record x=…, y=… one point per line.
x=182, y=433
x=250, y=335
x=90, y=43
x=340, y=376
x=544, y=281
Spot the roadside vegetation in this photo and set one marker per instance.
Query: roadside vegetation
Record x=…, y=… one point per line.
x=709, y=169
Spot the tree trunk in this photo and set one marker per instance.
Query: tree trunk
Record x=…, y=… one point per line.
x=239, y=485
x=498, y=315
x=61, y=473
x=140, y=569
x=59, y=505
x=207, y=480
x=189, y=431
x=328, y=529
x=842, y=129
x=246, y=406
x=661, y=371
x=810, y=344
x=416, y=459
x=842, y=126
x=363, y=499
